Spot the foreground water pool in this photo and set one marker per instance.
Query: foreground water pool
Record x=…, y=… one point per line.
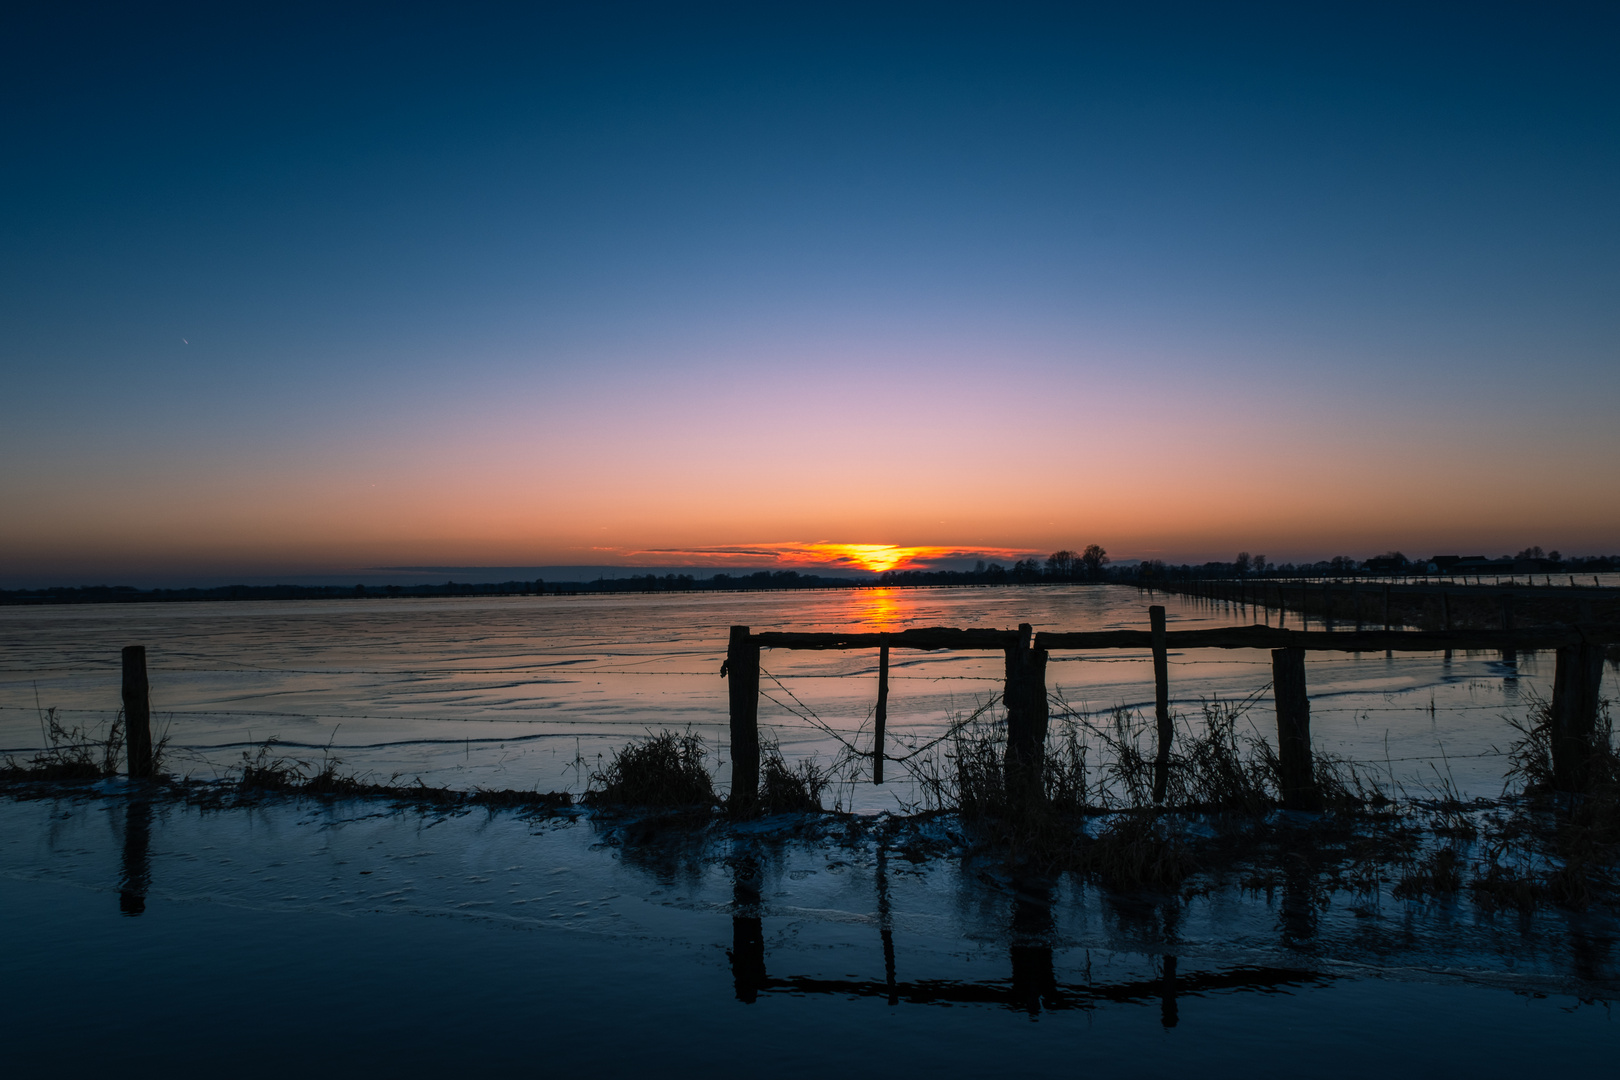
x=298, y=937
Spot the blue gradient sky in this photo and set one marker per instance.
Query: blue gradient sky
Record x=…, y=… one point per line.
x=286, y=291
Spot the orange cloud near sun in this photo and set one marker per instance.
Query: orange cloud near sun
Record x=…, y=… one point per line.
x=867, y=558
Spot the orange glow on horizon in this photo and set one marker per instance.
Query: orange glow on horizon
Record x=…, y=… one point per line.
x=873, y=558
x=868, y=558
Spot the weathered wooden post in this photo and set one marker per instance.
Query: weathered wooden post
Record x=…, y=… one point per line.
x=1386, y=607
x=742, y=664
x=137, y=712
x=1298, y=778
x=1027, y=714
x=881, y=717
x=1161, y=702
x=1576, y=681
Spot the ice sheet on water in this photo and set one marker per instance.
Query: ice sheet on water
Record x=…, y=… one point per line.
x=533, y=691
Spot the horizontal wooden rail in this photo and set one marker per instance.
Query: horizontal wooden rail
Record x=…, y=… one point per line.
x=1221, y=637
x=922, y=637
x=1267, y=637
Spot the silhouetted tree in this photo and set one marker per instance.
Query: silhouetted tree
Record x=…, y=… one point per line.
x=1094, y=558
x=1241, y=563
x=1060, y=564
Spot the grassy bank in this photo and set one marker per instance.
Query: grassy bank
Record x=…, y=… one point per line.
x=1220, y=825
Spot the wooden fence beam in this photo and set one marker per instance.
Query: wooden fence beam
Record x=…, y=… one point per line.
x=1161, y=702
x=1298, y=778
x=1027, y=715
x=1220, y=637
x=881, y=716
x=1576, y=681
x=742, y=665
x=137, y=712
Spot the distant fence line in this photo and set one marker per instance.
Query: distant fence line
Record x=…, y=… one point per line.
x=1440, y=603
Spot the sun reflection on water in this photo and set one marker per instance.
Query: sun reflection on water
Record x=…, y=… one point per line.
x=879, y=609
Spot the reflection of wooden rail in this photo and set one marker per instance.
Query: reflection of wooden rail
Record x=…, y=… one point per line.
x=1027, y=990
x=1574, y=705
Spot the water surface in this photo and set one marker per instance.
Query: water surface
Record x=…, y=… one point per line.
x=528, y=692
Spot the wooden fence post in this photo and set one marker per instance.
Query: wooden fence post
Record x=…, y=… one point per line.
x=1576, y=681
x=1298, y=778
x=881, y=717
x=1161, y=703
x=137, y=712
x=742, y=664
x=1027, y=714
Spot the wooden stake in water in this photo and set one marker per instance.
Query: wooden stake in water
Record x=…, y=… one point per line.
x=1298, y=778
x=1027, y=714
x=881, y=717
x=1161, y=702
x=137, y=712
x=742, y=665
x=1576, y=682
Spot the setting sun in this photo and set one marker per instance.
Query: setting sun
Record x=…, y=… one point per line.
x=873, y=558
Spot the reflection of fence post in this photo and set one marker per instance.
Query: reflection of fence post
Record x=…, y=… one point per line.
x=137, y=876
x=1576, y=681
x=137, y=712
x=1168, y=1014
x=1293, y=730
x=742, y=663
x=1509, y=656
x=1025, y=698
x=1161, y=702
x=881, y=717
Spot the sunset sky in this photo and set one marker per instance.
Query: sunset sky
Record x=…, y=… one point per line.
x=289, y=292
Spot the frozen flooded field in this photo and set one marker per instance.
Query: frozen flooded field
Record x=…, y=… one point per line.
x=530, y=692
x=274, y=933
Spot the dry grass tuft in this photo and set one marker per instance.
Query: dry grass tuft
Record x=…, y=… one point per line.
x=785, y=789
x=70, y=753
x=668, y=770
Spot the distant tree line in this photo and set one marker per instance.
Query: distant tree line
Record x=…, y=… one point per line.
x=1090, y=564
x=1060, y=566
x=115, y=594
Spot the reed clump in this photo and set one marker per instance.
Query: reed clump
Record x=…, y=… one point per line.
x=1438, y=874
x=71, y=753
x=264, y=769
x=1573, y=836
x=669, y=770
x=784, y=788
